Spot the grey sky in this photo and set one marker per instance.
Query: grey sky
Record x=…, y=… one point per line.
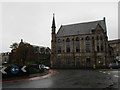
x=31, y=21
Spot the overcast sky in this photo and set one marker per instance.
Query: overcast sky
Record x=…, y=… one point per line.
x=31, y=21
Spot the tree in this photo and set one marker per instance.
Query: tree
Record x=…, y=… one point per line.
x=14, y=46
x=23, y=53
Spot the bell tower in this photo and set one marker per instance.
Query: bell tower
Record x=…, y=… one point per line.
x=53, y=43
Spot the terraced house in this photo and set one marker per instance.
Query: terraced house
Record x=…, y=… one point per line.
x=80, y=45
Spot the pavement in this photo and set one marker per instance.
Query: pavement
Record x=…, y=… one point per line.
x=75, y=78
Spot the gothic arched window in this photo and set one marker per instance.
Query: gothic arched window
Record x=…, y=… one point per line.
x=98, y=43
x=67, y=45
x=87, y=42
x=59, y=45
x=101, y=43
x=77, y=44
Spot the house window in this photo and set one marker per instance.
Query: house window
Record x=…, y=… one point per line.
x=87, y=44
x=59, y=45
x=77, y=44
x=67, y=45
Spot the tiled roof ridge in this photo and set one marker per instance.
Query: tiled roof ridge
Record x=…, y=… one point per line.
x=114, y=41
x=81, y=23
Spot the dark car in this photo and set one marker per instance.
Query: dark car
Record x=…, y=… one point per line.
x=114, y=65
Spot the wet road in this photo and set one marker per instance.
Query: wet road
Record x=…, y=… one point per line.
x=72, y=79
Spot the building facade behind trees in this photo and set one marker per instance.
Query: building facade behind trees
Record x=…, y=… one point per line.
x=81, y=45
x=115, y=44
x=4, y=57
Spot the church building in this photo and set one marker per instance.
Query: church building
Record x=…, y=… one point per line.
x=80, y=45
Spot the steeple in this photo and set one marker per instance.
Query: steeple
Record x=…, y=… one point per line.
x=104, y=19
x=21, y=40
x=53, y=22
x=53, y=43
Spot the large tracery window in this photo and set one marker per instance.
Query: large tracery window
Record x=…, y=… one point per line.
x=98, y=43
x=87, y=42
x=67, y=45
x=77, y=44
x=59, y=46
x=101, y=43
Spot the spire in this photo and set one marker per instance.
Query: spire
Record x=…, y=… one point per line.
x=53, y=22
x=21, y=40
x=104, y=19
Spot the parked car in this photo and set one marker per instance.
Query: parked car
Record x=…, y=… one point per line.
x=114, y=65
x=46, y=67
x=42, y=66
x=4, y=63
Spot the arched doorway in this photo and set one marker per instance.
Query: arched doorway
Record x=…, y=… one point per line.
x=88, y=62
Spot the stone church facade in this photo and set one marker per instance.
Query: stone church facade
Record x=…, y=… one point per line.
x=81, y=45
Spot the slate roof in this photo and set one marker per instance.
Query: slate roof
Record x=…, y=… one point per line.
x=80, y=28
x=116, y=41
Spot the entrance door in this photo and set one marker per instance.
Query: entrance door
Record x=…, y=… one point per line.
x=88, y=63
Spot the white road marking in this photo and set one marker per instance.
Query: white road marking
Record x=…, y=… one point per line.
x=116, y=76
x=109, y=73
x=104, y=72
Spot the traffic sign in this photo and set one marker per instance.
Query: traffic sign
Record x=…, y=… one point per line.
x=23, y=69
x=3, y=70
x=14, y=69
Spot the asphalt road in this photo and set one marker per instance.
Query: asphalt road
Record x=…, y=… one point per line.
x=71, y=79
